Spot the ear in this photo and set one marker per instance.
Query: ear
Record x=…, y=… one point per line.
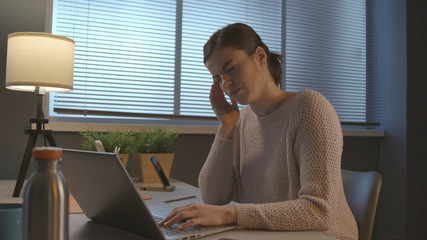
x=260, y=55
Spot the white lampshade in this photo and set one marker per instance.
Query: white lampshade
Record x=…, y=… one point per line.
x=40, y=60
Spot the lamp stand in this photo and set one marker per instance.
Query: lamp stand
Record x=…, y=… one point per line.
x=39, y=121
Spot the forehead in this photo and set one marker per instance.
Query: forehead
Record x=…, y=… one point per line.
x=221, y=56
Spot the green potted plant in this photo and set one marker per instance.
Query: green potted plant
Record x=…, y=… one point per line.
x=158, y=143
x=111, y=141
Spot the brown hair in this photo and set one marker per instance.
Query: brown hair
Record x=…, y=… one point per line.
x=242, y=37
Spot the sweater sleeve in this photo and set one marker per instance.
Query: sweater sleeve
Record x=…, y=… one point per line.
x=317, y=152
x=217, y=179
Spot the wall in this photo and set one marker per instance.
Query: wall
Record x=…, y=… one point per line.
x=416, y=166
x=391, y=207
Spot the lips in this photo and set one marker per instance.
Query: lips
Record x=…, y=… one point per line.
x=234, y=92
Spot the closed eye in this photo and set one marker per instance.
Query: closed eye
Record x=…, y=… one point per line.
x=230, y=69
x=218, y=78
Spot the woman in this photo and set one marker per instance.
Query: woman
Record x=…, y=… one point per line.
x=281, y=154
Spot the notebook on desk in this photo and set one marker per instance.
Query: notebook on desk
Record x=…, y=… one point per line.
x=106, y=194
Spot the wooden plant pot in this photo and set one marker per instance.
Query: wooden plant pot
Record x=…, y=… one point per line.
x=149, y=174
x=124, y=157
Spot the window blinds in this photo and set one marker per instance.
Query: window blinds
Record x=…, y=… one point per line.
x=326, y=51
x=124, y=57
x=200, y=20
x=126, y=62
x=145, y=58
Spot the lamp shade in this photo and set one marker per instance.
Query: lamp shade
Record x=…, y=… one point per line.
x=39, y=60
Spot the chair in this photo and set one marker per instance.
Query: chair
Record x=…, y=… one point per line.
x=362, y=190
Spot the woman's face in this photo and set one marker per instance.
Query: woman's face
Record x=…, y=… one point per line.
x=239, y=75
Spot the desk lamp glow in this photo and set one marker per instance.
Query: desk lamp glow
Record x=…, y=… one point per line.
x=40, y=63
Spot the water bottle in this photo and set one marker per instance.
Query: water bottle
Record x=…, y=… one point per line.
x=46, y=198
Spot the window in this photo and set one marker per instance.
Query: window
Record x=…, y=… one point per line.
x=138, y=58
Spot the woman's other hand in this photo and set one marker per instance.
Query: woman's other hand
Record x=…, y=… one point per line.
x=228, y=114
x=200, y=214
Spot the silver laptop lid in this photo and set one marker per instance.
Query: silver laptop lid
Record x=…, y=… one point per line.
x=106, y=193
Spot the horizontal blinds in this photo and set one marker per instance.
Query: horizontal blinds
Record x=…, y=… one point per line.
x=200, y=20
x=125, y=62
x=124, y=55
x=373, y=62
x=326, y=51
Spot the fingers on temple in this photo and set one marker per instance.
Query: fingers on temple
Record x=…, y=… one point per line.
x=214, y=91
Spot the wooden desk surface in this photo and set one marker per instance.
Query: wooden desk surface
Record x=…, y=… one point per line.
x=81, y=228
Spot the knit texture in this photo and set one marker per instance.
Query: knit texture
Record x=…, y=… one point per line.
x=284, y=169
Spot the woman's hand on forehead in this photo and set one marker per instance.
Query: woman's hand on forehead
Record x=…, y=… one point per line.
x=228, y=114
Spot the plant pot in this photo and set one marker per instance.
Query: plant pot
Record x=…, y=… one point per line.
x=124, y=157
x=149, y=174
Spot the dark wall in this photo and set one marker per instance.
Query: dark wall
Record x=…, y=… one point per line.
x=361, y=153
x=416, y=166
x=391, y=207
x=402, y=209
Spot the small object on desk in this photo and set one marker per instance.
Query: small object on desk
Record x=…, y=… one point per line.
x=166, y=187
x=179, y=199
x=146, y=197
x=46, y=221
x=11, y=215
x=160, y=172
x=155, y=187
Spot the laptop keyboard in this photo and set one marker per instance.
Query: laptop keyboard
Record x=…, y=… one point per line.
x=173, y=230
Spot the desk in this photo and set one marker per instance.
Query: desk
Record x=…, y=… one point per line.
x=81, y=228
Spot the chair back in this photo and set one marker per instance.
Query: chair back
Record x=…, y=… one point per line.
x=362, y=190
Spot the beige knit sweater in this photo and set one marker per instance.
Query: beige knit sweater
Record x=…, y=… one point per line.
x=285, y=169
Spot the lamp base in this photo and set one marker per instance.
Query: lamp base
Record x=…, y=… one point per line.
x=32, y=139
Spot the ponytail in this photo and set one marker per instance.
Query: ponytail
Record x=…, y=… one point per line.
x=275, y=67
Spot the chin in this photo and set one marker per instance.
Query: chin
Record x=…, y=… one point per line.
x=241, y=101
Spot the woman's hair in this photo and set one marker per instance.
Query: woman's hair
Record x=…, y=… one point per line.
x=242, y=37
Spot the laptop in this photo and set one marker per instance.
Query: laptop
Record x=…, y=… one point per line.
x=105, y=192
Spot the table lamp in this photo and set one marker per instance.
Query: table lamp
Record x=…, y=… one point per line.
x=40, y=63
